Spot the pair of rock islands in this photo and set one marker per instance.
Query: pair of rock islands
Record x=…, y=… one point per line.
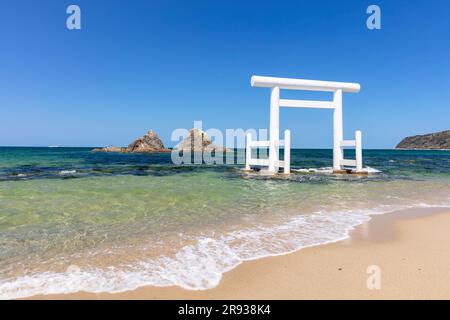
x=195, y=141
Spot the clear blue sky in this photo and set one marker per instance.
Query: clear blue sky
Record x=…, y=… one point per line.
x=140, y=65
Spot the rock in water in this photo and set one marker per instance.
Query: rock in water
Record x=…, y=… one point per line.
x=109, y=149
x=198, y=141
x=149, y=142
x=437, y=140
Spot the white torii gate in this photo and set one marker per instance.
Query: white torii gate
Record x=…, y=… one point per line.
x=275, y=84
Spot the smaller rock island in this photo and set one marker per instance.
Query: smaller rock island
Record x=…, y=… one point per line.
x=198, y=141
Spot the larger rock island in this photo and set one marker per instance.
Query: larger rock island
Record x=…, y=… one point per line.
x=148, y=143
x=432, y=141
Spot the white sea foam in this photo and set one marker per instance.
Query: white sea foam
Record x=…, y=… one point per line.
x=371, y=170
x=67, y=172
x=329, y=170
x=201, y=265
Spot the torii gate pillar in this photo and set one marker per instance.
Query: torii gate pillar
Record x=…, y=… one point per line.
x=274, y=134
x=338, y=133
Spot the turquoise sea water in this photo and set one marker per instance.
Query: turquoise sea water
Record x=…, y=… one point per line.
x=75, y=220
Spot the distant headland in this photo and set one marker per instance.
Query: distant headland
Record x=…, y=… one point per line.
x=431, y=141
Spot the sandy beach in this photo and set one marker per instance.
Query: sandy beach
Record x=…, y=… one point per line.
x=410, y=247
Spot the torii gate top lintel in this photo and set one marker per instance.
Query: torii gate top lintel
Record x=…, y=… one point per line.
x=303, y=84
x=337, y=88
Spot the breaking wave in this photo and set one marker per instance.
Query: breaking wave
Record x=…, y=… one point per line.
x=201, y=265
